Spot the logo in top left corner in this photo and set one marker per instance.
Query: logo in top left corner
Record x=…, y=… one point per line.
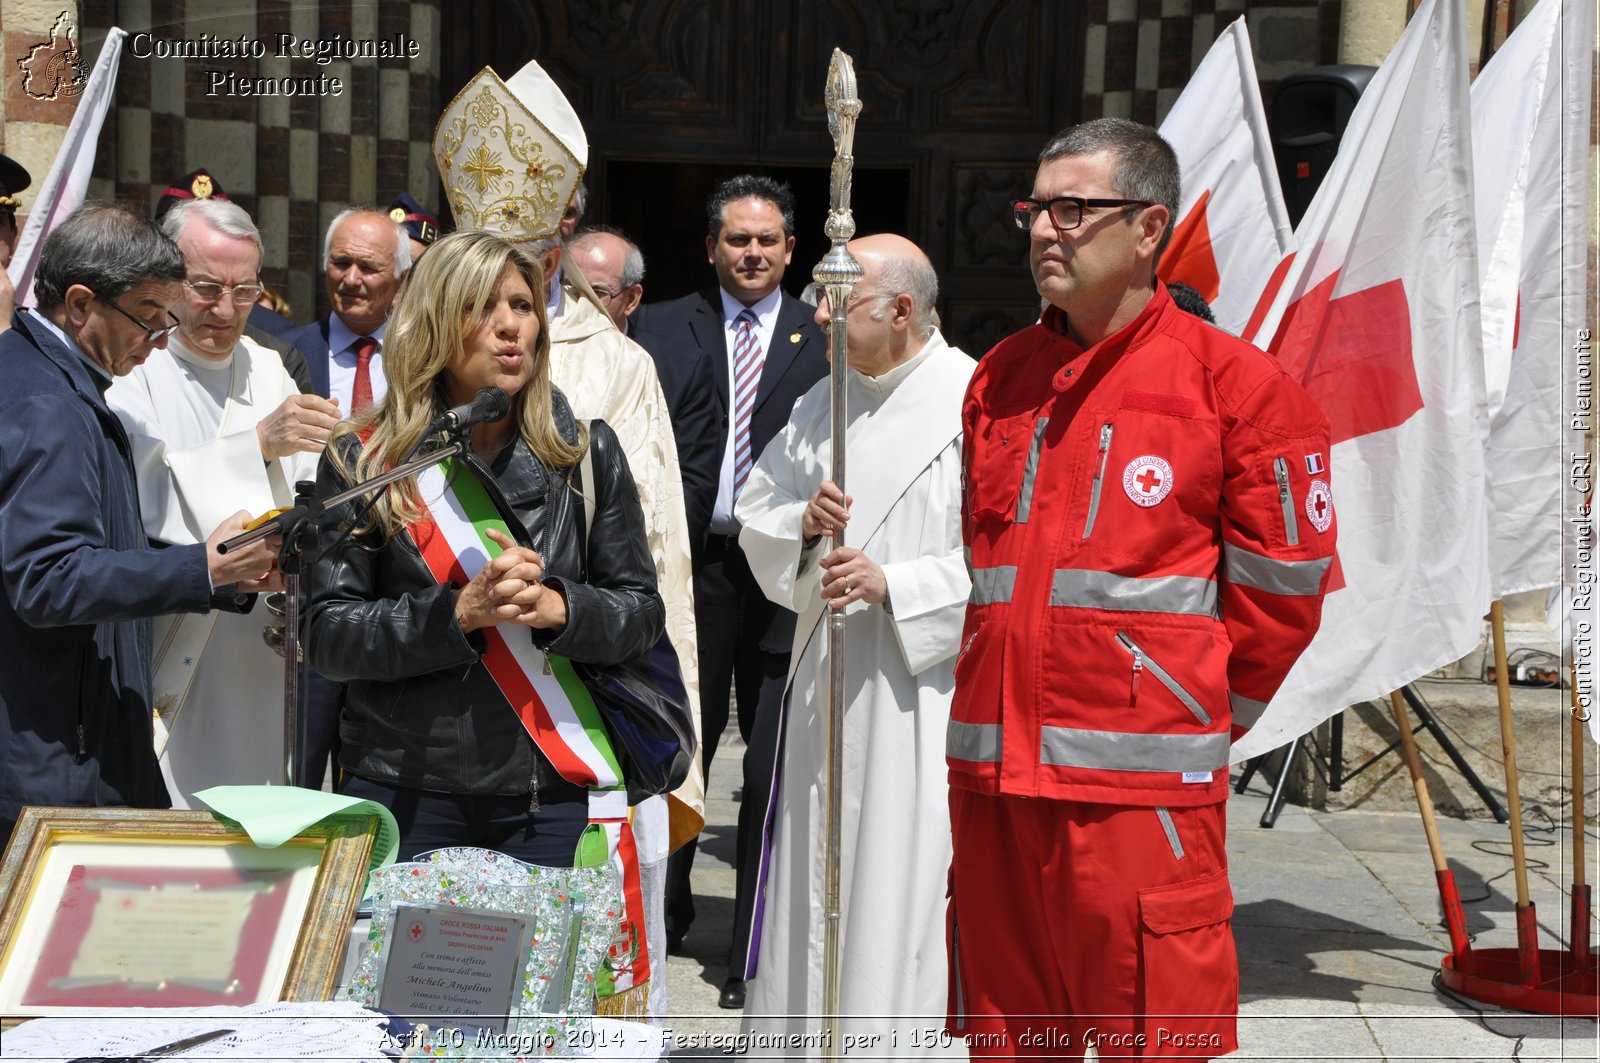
x=55, y=69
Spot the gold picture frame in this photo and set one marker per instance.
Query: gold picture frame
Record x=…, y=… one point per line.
x=125, y=907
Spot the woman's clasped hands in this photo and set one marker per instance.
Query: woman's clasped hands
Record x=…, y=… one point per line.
x=510, y=590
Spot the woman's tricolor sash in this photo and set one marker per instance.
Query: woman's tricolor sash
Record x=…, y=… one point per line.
x=551, y=702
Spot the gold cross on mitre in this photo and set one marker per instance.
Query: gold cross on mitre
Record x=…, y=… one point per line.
x=511, y=154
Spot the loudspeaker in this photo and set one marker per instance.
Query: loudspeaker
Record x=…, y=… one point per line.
x=1310, y=110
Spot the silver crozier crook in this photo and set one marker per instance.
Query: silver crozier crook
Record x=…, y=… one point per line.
x=838, y=272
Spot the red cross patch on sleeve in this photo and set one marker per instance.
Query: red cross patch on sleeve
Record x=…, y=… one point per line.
x=1319, y=505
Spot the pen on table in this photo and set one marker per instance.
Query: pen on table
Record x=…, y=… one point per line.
x=164, y=1050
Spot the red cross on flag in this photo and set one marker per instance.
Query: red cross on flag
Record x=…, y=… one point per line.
x=1530, y=114
x=1232, y=227
x=1377, y=316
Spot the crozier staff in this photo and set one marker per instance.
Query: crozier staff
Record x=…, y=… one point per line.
x=438, y=615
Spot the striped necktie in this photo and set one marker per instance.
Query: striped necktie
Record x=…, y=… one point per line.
x=747, y=359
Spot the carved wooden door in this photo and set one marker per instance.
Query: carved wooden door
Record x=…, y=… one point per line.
x=959, y=97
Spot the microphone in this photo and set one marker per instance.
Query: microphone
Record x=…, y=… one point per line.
x=490, y=404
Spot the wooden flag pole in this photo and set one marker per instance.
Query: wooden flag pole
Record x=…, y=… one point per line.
x=1527, y=922
x=1455, y=918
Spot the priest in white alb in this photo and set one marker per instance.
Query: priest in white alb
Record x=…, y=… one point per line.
x=902, y=583
x=217, y=425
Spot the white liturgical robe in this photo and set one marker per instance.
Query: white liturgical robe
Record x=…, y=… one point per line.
x=192, y=422
x=904, y=473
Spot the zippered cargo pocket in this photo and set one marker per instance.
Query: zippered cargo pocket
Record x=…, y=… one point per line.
x=1291, y=521
x=1099, y=479
x=1142, y=663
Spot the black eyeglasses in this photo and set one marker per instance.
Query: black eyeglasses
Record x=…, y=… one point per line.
x=605, y=293
x=1066, y=212
x=151, y=335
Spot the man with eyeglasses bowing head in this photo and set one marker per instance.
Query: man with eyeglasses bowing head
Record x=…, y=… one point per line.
x=1149, y=555
x=79, y=579
x=217, y=424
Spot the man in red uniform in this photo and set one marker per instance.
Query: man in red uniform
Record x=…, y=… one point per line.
x=1150, y=528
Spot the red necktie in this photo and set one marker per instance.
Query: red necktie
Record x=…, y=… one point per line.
x=361, y=393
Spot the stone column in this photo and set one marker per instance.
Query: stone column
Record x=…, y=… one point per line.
x=1369, y=28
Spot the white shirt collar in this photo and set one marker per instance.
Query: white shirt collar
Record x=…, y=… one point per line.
x=340, y=337
x=765, y=309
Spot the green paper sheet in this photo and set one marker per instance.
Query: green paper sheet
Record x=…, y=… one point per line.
x=271, y=815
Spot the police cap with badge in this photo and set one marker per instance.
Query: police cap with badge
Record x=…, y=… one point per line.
x=13, y=179
x=196, y=184
x=410, y=215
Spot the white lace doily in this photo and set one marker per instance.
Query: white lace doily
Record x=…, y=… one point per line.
x=262, y=1032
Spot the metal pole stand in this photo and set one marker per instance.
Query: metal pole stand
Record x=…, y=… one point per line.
x=1336, y=776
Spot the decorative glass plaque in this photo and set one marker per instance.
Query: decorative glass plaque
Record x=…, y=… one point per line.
x=576, y=917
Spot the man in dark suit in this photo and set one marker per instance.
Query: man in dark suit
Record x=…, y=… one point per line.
x=614, y=267
x=80, y=581
x=365, y=257
x=764, y=352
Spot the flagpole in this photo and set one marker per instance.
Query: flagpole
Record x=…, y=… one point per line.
x=839, y=272
x=1527, y=925
x=1455, y=917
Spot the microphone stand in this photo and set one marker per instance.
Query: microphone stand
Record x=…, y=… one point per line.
x=294, y=524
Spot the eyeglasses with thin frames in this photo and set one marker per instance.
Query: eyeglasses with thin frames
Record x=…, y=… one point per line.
x=211, y=292
x=151, y=335
x=1065, y=212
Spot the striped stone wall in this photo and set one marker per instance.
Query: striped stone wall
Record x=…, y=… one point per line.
x=1139, y=53
x=291, y=138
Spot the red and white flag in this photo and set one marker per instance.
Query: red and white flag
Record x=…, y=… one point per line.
x=68, y=181
x=1232, y=226
x=1377, y=316
x=1530, y=114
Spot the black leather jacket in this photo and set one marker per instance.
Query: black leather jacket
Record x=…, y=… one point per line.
x=421, y=711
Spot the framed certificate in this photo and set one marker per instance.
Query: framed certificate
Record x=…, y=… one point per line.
x=117, y=907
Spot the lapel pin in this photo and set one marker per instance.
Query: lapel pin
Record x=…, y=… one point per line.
x=794, y=337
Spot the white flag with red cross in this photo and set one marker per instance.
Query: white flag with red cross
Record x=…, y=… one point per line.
x=1530, y=126
x=1377, y=315
x=1232, y=227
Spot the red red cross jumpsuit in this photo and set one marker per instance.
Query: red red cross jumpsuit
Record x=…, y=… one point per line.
x=1150, y=528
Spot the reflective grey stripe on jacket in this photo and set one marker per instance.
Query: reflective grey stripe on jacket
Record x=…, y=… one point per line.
x=1086, y=588
x=1030, y=471
x=991, y=585
x=1250, y=569
x=978, y=742
x=1246, y=711
x=1071, y=747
